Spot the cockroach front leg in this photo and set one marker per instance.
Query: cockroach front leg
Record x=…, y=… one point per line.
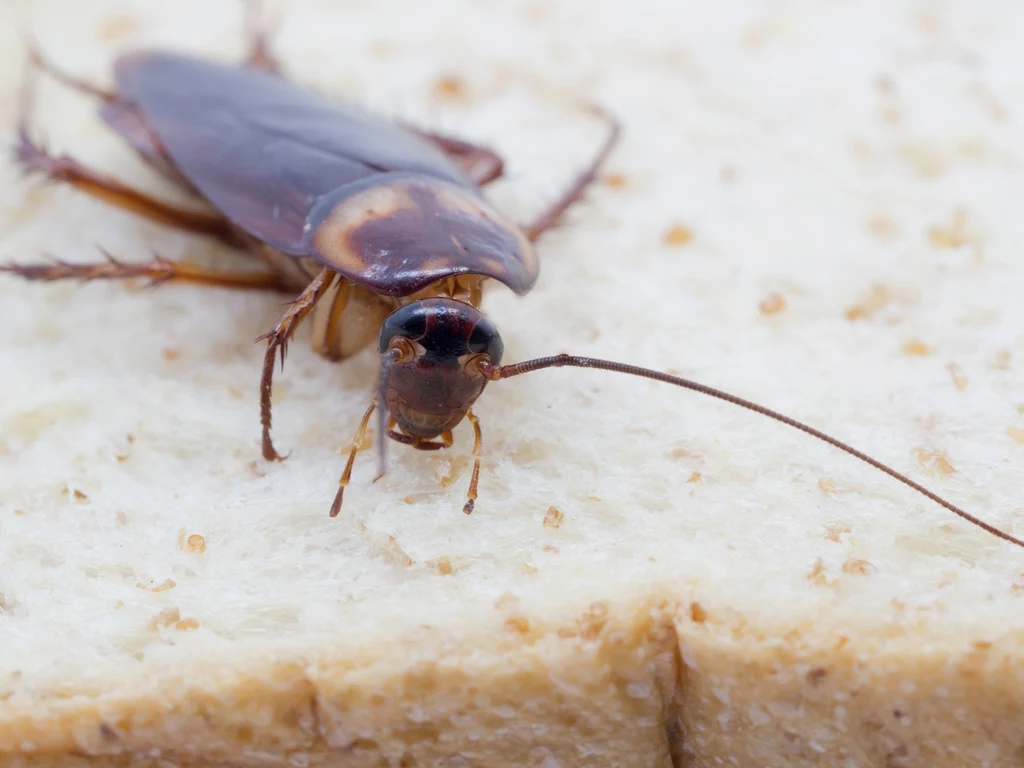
x=356, y=445
x=478, y=451
x=277, y=338
x=159, y=271
x=550, y=217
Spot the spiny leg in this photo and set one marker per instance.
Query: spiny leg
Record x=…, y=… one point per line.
x=278, y=337
x=554, y=212
x=159, y=271
x=356, y=445
x=478, y=451
x=34, y=159
x=259, y=56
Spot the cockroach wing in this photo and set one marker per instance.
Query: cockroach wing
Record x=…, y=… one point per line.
x=266, y=153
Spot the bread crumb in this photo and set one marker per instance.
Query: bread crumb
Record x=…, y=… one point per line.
x=697, y=613
x=519, y=624
x=1016, y=433
x=166, y=585
x=444, y=565
x=915, y=348
x=858, y=567
x=65, y=490
x=694, y=477
x=186, y=625
x=772, y=304
x=507, y=600
x=678, y=235
x=817, y=574
x=615, y=180
x=553, y=518
x=953, y=236
x=450, y=87
x=882, y=227
x=166, y=618
x=981, y=645
x=876, y=298
x=448, y=470
x=959, y=379
x=590, y=624
x=196, y=544
x=20, y=512
x=835, y=534
x=171, y=353
x=816, y=675
x=527, y=569
x=116, y=27
x=550, y=548
x=827, y=485
x=935, y=461
x=382, y=48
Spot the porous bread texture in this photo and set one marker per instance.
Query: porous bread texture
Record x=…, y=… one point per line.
x=816, y=207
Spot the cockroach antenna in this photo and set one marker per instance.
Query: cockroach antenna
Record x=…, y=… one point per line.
x=496, y=372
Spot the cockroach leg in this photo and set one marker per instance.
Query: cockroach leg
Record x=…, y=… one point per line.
x=482, y=164
x=478, y=451
x=554, y=212
x=278, y=337
x=41, y=63
x=159, y=271
x=35, y=159
x=259, y=56
x=356, y=445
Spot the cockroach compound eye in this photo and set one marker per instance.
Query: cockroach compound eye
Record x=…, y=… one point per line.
x=378, y=230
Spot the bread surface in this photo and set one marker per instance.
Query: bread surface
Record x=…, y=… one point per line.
x=815, y=207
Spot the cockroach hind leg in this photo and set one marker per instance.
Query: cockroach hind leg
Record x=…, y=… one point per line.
x=39, y=61
x=33, y=158
x=158, y=271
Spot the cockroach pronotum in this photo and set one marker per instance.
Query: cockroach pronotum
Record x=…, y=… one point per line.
x=382, y=230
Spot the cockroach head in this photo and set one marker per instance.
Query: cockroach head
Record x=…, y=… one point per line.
x=431, y=352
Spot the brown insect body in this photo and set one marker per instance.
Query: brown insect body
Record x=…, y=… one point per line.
x=382, y=229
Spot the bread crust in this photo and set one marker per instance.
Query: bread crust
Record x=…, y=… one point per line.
x=652, y=684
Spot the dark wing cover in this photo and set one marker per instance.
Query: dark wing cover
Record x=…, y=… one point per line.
x=261, y=149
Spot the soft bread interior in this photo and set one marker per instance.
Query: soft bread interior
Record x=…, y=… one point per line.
x=817, y=209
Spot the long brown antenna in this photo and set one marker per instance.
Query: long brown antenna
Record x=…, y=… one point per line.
x=495, y=372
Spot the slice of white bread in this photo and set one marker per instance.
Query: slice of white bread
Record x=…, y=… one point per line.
x=818, y=209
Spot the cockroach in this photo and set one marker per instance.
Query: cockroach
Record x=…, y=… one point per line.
x=382, y=229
